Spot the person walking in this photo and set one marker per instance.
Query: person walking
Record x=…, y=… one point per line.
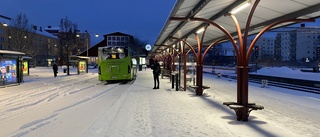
x=55, y=69
x=156, y=73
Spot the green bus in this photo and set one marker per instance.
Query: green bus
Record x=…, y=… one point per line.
x=115, y=64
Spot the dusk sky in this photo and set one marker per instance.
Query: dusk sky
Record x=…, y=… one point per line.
x=143, y=19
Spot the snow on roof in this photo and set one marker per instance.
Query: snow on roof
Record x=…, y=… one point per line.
x=45, y=33
x=11, y=52
x=51, y=28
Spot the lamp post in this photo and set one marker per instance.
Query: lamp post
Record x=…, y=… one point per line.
x=88, y=36
x=87, y=40
x=67, y=60
x=88, y=43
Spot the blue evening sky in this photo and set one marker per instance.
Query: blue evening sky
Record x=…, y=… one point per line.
x=143, y=19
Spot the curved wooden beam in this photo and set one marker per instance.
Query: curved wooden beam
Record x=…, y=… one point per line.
x=214, y=24
x=246, y=31
x=240, y=38
x=211, y=45
x=191, y=48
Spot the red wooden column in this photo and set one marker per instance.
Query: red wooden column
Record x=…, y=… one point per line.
x=242, y=54
x=243, y=59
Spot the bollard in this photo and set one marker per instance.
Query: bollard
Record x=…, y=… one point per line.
x=177, y=87
x=172, y=80
x=264, y=83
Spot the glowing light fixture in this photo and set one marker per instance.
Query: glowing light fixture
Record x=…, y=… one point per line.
x=240, y=7
x=200, y=30
x=5, y=24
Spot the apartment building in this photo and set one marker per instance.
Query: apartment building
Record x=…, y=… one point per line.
x=112, y=39
x=297, y=44
x=265, y=47
x=43, y=42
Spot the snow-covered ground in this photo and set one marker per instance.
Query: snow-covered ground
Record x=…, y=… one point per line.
x=80, y=105
x=273, y=71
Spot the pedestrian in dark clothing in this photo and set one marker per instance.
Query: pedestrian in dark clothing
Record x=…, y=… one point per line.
x=55, y=69
x=156, y=73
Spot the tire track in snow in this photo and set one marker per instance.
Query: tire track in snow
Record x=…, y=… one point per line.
x=36, y=124
x=26, y=102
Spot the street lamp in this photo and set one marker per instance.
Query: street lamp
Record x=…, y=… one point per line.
x=88, y=36
x=68, y=73
x=87, y=40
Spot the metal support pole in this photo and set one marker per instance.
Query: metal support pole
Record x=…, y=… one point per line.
x=172, y=80
x=177, y=83
x=68, y=73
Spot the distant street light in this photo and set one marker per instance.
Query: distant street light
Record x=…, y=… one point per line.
x=87, y=40
x=88, y=34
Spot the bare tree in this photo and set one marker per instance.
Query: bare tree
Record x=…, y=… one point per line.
x=139, y=49
x=22, y=35
x=67, y=40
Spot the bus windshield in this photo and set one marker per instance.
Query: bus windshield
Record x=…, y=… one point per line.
x=114, y=52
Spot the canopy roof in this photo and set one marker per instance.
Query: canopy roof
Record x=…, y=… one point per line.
x=267, y=12
x=11, y=52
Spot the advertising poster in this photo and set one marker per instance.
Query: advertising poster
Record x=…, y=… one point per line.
x=82, y=66
x=25, y=68
x=8, y=70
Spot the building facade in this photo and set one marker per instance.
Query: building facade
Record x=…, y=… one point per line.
x=44, y=43
x=112, y=39
x=4, y=38
x=298, y=44
x=265, y=48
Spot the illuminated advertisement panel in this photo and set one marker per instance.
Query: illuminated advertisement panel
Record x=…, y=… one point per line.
x=25, y=68
x=8, y=70
x=82, y=66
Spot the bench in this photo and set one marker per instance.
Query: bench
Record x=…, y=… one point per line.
x=195, y=87
x=234, y=103
x=254, y=107
x=229, y=103
x=237, y=108
x=165, y=72
x=205, y=87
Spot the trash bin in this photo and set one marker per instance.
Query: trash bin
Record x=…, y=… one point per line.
x=140, y=67
x=64, y=70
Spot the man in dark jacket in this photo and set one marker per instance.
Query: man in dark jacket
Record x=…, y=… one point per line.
x=156, y=73
x=55, y=69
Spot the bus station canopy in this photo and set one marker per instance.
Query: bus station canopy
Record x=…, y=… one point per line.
x=267, y=12
x=11, y=52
